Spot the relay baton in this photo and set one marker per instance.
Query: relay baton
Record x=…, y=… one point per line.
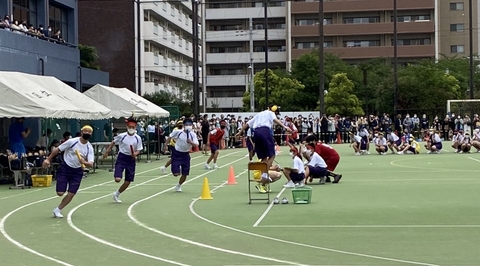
x=132, y=151
x=79, y=157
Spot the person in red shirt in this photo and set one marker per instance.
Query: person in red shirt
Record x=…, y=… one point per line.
x=213, y=140
x=331, y=158
x=292, y=137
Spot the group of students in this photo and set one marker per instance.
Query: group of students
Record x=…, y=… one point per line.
x=404, y=144
x=78, y=154
x=463, y=143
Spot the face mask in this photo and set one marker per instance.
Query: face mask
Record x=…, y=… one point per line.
x=86, y=136
x=131, y=131
x=278, y=117
x=188, y=128
x=69, y=137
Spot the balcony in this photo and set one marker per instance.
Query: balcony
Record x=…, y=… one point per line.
x=361, y=6
x=150, y=87
x=226, y=80
x=412, y=51
x=244, y=58
x=242, y=35
x=166, y=12
x=242, y=13
x=227, y=102
x=165, y=38
x=166, y=66
x=364, y=29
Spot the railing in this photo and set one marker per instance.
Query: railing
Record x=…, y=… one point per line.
x=41, y=37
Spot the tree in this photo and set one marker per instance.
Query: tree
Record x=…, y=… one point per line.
x=282, y=91
x=340, y=98
x=183, y=99
x=425, y=86
x=306, y=70
x=88, y=57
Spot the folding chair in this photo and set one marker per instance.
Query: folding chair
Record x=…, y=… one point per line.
x=259, y=166
x=18, y=176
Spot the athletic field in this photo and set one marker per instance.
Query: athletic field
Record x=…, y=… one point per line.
x=387, y=210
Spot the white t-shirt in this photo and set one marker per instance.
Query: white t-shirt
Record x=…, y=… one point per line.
x=357, y=138
x=381, y=142
x=298, y=164
x=393, y=137
x=180, y=137
x=262, y=119
x=363, y=132
x=151, y=128
x=70, y=157
x=317, y=161
x=124, y=141
x=436, y=138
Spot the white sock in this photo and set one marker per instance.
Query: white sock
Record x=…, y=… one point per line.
x=117, y=193
x=56, y=209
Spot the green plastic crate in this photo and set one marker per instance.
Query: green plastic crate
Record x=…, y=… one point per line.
x=302, y=195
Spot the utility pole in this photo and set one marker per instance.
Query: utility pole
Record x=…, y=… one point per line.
x=470, y=40
x=395, y=57
x=265, y=25
x=321, y=63
x=196, y=85
x=252, y=91
x=139, y=49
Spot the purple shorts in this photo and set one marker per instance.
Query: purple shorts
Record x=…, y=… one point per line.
x=249, y=143
x=125, y=163
x=398, y=142
x=363, y=144
x=264, y=145
x=296, y=177
x=180, y=160
x=213, y=147
x=68, y=176
x=317, y=172
x=438, y=145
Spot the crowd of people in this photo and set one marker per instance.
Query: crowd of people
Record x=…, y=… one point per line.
x=29, y=29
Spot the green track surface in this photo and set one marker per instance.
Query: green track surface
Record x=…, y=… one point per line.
x=387, y=210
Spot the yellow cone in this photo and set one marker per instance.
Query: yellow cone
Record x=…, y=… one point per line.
x=205, y=190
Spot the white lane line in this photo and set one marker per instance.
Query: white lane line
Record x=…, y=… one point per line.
x=20, y=245
x=137, y=222
x=306, y=245
x=264, y=214
x=23, y=193
x=375, y=226
x=102, y=241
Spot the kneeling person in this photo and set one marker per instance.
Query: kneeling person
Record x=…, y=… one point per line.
x=295, y=174
x=316, y=166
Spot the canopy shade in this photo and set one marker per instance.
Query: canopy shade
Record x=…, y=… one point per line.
x=124, y=102
x=26, y=95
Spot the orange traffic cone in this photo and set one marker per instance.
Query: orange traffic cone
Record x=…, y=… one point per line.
x=231, y=177
x=339, y=138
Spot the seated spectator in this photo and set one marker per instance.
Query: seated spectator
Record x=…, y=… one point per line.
x=58, y=36
x=66, y=136
x=5, y=23
x=43, y=141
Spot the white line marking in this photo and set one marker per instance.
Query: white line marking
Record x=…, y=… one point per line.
x=20, y=245
x=375, y=226
x=102, y=241
x=305, y=245
x=137, y=222
x=23, y=193
x=267, y=210
x=477, y=160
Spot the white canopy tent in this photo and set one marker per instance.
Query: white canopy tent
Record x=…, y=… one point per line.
x=26, y=95
x=124, y=102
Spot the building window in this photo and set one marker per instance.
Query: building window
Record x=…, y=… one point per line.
x=457, y=49
x=456, y=27
x=361, y=43
x=361, y=20
x=25, y=10
x=456, y=6
x=58, y=20
x=412, y=18
x=425, y=41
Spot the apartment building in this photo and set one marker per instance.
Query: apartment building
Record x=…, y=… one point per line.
x=363, y=29
x=165, y=52
x=228, y=40
x=453, y=27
